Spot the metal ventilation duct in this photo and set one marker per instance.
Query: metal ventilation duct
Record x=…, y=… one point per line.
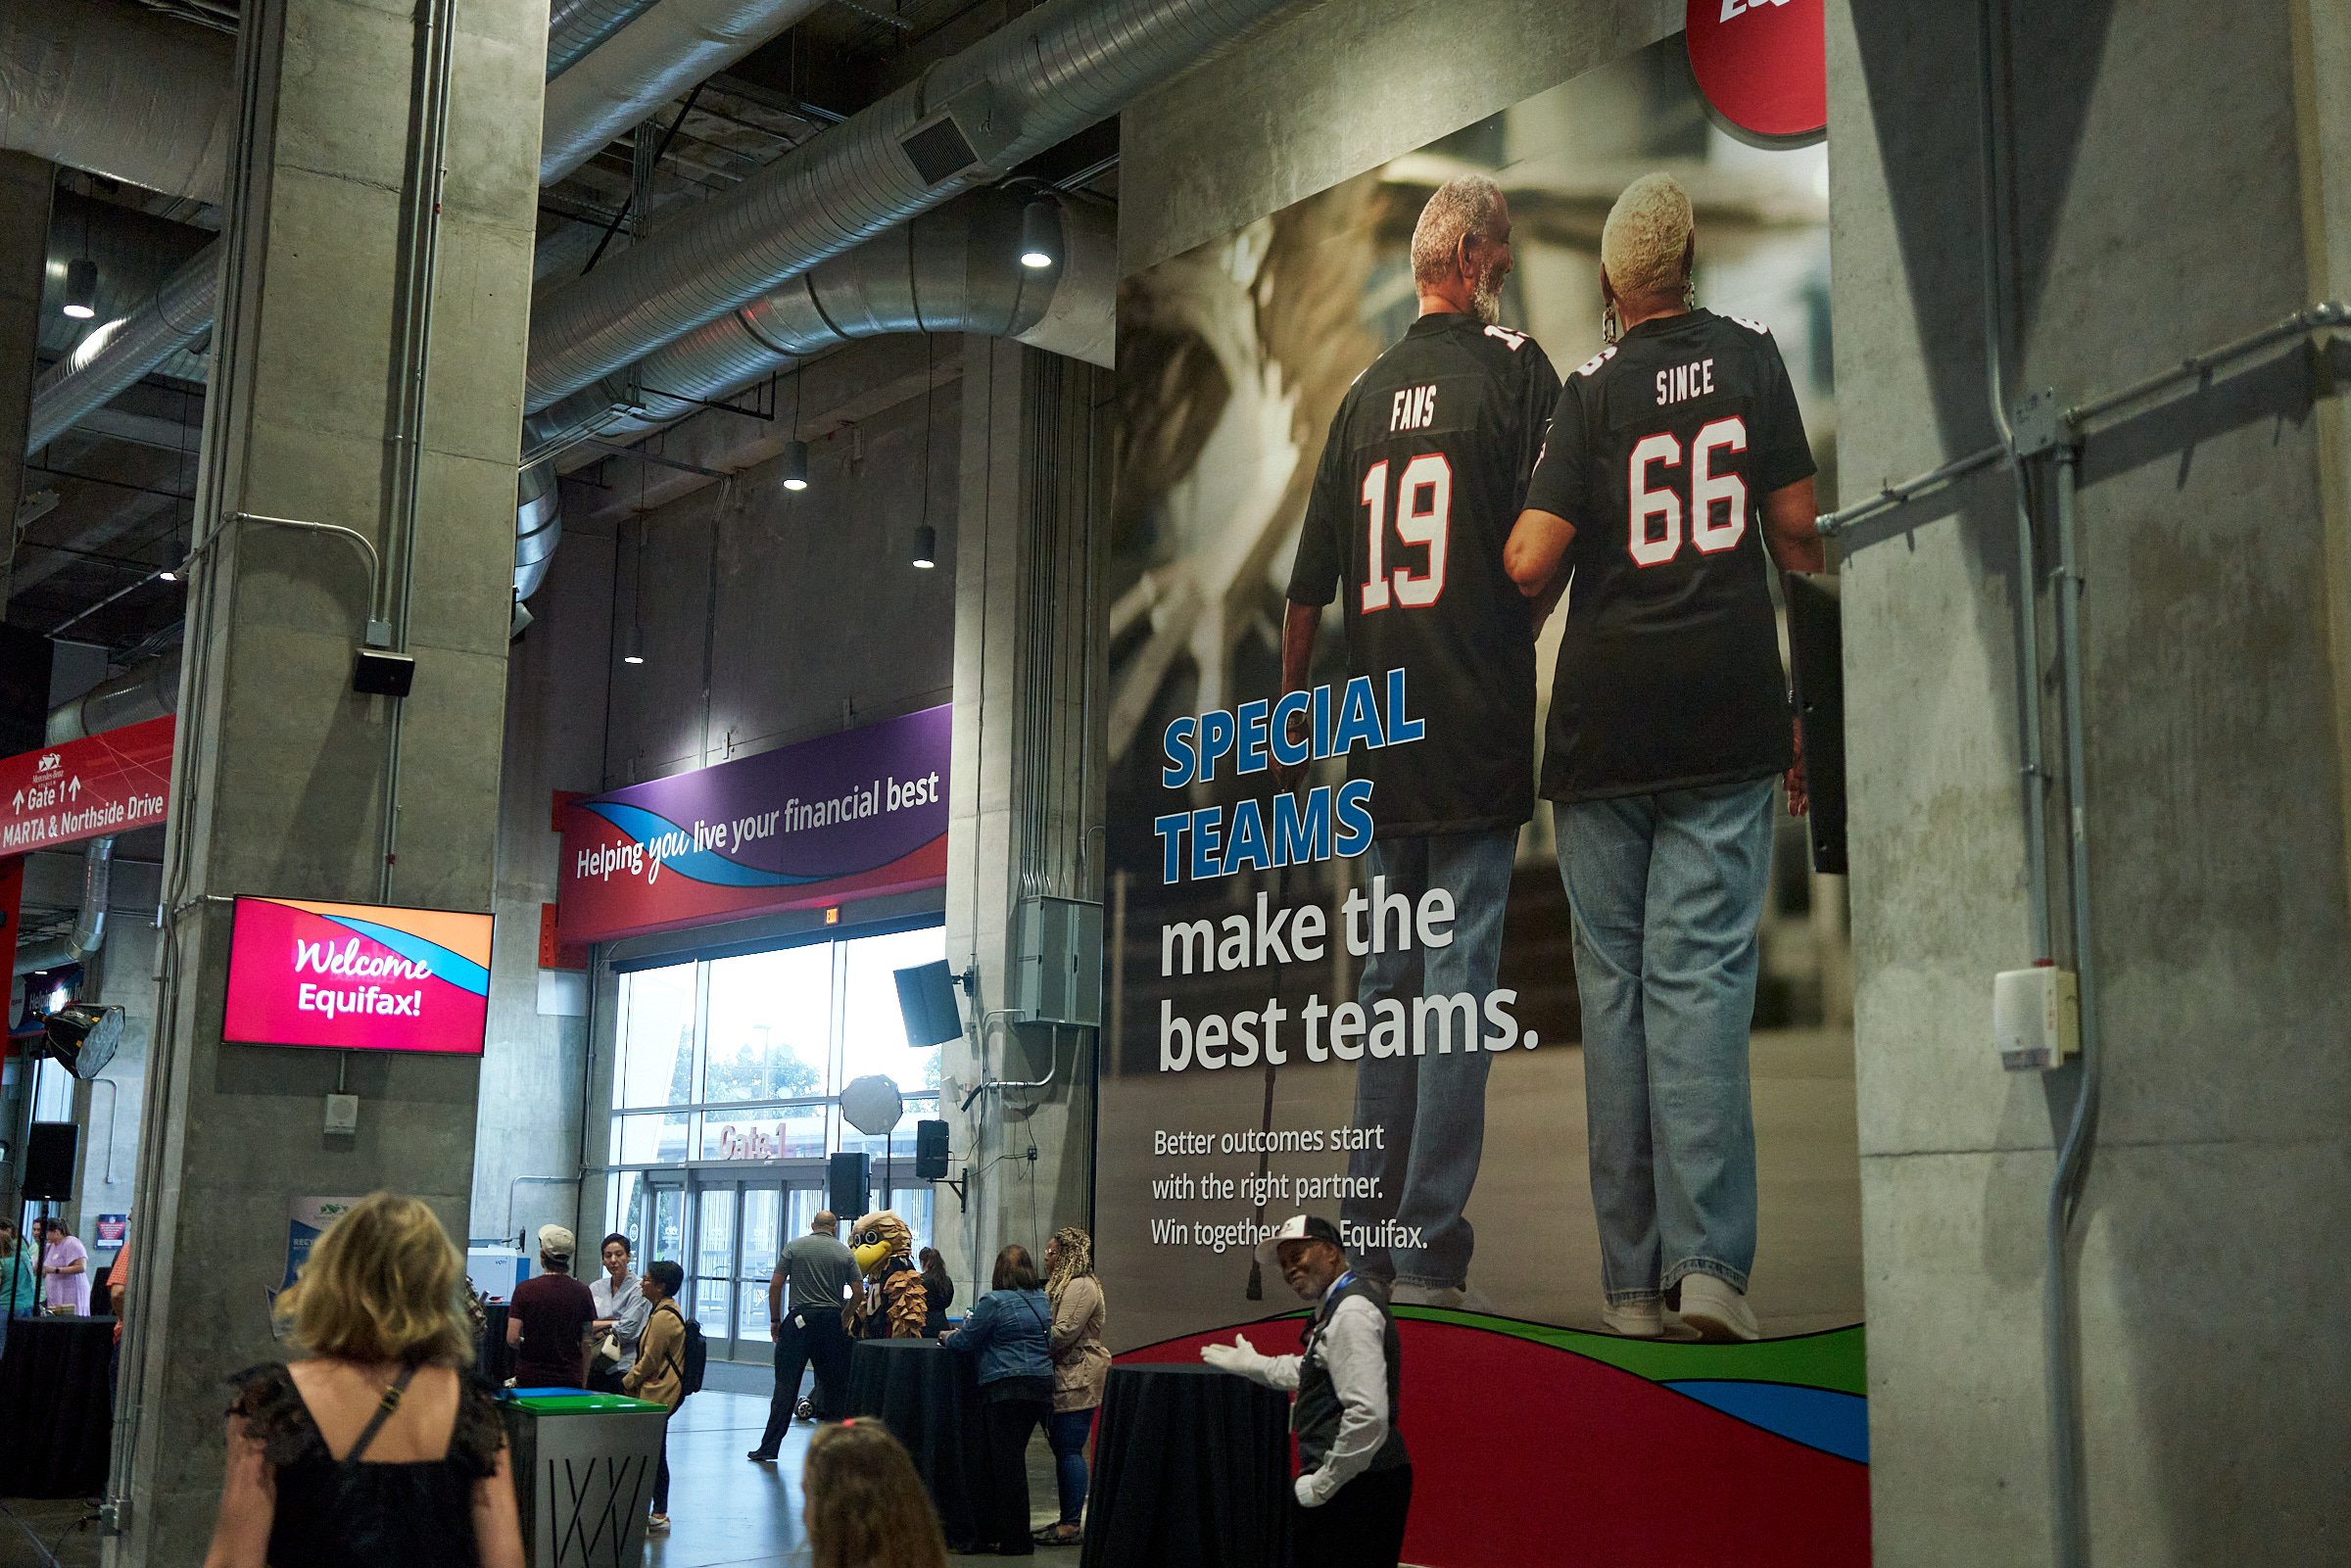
x=119, y=92
x=1027, y=85
x=118, y=354
x=657, y=56
x=89, y=921
x=575, y=26
x=538, y=526
x=955, y=269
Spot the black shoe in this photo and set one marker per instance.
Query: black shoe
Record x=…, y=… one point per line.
x=759, y=1456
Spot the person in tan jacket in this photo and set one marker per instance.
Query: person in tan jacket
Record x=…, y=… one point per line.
x=659, y=1374
x=1081, y=1369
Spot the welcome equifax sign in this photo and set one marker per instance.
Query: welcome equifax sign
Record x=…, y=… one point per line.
x=357, y=976
x=87, y=788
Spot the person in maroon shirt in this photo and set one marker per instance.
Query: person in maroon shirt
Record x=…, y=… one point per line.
x=548, y=1319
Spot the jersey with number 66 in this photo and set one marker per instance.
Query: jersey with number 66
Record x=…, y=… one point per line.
x=1420, y=481
x=1660, y=452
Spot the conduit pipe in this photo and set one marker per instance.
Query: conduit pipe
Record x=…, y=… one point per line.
x=651, y=60
x=1035, y=82
x=118, y=92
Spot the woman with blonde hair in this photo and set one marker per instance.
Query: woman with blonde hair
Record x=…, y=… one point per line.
x=1080, y=1372
x=379, y=1449
x=866, y=1507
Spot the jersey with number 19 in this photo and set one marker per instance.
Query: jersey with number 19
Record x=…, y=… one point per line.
x=1660, y=453
x=1420, y=481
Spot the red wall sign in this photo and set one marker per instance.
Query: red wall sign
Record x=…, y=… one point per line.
x=11, y=899
x=87, y=788
x=1762, y=66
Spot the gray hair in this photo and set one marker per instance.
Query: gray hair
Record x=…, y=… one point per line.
x=1462, y=205
x=1648, y=229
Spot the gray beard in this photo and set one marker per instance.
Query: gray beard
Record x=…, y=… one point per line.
x=1485, y=300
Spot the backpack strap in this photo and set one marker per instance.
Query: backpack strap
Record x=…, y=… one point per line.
x=383, y=1412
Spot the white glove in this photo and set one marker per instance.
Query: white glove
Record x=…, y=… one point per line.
x=1307, y=1493
x=1240, y=1357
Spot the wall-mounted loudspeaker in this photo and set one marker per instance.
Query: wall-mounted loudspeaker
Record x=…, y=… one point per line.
x=49, y=1163
x=846, y=1185
x=927, y=1000
x=930, y=1151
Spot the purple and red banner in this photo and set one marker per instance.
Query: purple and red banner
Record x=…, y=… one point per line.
x=99, y=784
x=857, y=814
x=358, y=978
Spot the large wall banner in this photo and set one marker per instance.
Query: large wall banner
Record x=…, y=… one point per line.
x=1345, y=969
x=857, y=814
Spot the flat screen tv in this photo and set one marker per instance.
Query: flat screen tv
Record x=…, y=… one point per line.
x=358, y=978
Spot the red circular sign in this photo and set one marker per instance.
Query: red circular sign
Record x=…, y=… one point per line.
x=1762, y=66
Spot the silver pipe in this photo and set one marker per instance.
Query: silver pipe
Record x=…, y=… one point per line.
x=2071, y=1521
x=2326, y=313
x=89, y=921
x=1033, y=82
x=576, y=26
x=659, y=55
x=118, y=92
x=114, y=355
x=954, y=269
x=2033, y=763
x=145, y=690
x=419, y=267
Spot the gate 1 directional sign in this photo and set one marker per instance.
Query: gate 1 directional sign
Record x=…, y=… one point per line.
x=87, y=788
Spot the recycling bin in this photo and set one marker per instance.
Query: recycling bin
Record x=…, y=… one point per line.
x=583, y=1467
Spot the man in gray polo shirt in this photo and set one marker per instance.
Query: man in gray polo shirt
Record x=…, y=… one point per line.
x=812, y=1281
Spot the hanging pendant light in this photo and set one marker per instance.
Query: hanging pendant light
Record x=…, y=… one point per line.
x=926, y=547
x=795, y=465
x=81, y=288
x=1040, y=234
x=633, y=647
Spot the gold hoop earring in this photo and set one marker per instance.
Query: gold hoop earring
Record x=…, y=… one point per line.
x=1689, y=293
x=1610, y=329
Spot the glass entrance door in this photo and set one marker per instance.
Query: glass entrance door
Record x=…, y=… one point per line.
x=740, y=1226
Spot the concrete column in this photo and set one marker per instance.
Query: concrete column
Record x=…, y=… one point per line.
x=24, y=186
x=1026, y=779
x=283, y=782
x=2180, y=179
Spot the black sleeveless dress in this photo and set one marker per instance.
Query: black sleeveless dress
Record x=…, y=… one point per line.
x=368, y=1515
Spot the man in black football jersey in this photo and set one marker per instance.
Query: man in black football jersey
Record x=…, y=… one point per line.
x=1420, y=481
x=1676, y=460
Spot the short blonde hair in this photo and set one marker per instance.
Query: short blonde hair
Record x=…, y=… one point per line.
x=1641, y=245
x=382, y=1284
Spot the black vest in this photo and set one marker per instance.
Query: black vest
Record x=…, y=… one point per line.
x=1315, y=1418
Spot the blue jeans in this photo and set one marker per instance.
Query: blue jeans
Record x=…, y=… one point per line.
x=1430, y=1106
x=1665, y=891
x=1067, y=1432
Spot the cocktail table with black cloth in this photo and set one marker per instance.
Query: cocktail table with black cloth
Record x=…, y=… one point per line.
x=929, y=1395
x=1192, y=1470
x=493, y=1357
x=53, y=1400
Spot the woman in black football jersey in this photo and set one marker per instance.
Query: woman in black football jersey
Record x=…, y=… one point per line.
x=1675, y=475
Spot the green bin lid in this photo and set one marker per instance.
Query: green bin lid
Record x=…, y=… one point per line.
x=569, y=1403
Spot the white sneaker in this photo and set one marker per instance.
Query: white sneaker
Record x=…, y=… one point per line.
x=657, y=1525
x=1718, y=1313
x=1635, y=1320
x=1426, y=1295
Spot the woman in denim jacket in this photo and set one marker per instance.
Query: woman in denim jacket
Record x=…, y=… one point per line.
x=1010, y=1329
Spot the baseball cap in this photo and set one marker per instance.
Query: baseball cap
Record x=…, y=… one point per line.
x=556, y=1242
x=1298, y=1227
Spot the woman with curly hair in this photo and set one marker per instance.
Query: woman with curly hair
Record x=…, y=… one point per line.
x=1081, y=1369
x=377, y=1451
x=866, y=1507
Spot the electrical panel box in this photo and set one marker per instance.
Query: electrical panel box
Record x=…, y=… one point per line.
x=1059, y=968
x=2035, y=1017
